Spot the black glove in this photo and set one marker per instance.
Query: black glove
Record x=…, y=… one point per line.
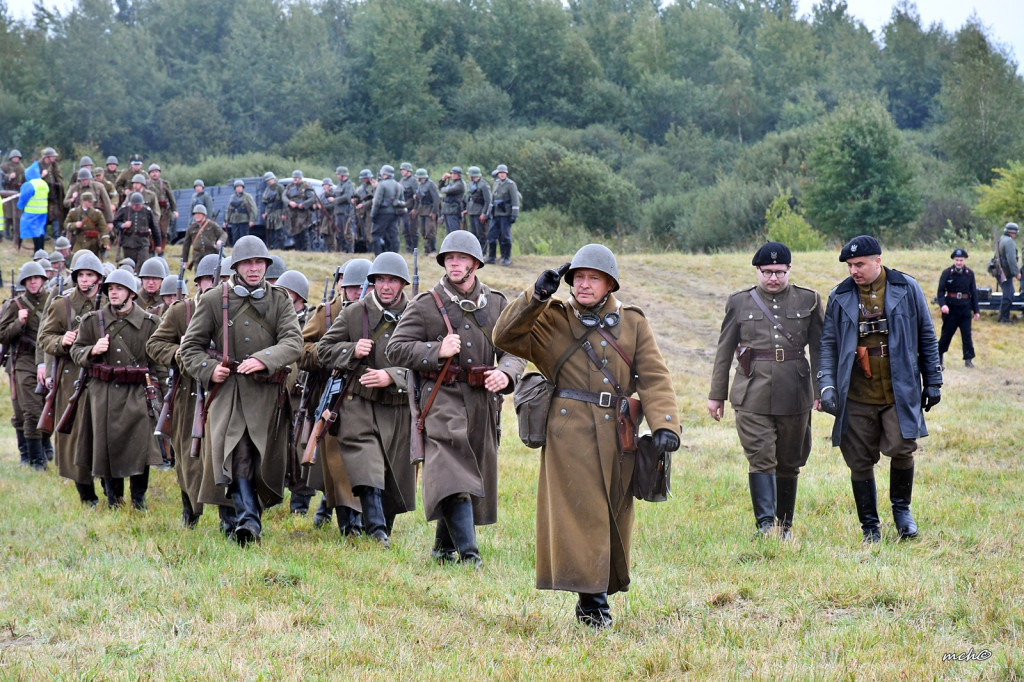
x=511, y=219
x=665, y=441
x=930, y=397
x=548, y=282
x=830, y=401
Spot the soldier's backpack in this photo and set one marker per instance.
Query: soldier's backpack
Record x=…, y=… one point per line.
x=532, y=400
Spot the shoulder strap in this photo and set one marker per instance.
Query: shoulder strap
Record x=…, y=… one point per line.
x=774, y=320
x=444, y=313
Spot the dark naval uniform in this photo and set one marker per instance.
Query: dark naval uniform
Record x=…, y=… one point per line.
x=958, y=291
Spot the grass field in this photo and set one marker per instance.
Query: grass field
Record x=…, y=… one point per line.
x=95, y=594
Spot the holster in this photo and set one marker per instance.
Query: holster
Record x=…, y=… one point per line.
x=743, y=358
x=863, y=361
x=627, y=423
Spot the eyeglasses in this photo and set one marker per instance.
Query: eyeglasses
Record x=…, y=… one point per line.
x=777, y=274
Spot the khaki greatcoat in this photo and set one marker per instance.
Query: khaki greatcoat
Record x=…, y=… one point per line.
x=584, y=500
x=462, y=429
x=269, y=331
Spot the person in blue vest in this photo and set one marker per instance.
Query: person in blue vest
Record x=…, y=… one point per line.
x=33, y=204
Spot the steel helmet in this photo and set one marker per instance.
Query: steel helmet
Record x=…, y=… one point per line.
x=199, y=183
x=153, y=267
x=31, y=269
x=406, y=166
x=276, y=267
x=41, y=253
x=387, y=170
x=49, y=151
x=341, y=170
x=366, y=174
x=595, y=257
x=297, y=174
x=14, y=154
x=293, y=280
x=461, y=241
x=56, y=257
x=207, y=266
x=248, y=247
x=239, y=183
x=474, y=171
x=456, y=170
x=225, y=266
x=199, y=208
x=502, y=168
x=85, y=161
x=355, y=272
x=139, y=178
x=389, y=263
x=269, y=175
x=85, y=174
x=62, y=243
x=422, y=173
x=112, y=160
x=169, y=287
x=107, y=269
x=46, y=264
x=124, y=278
x=153, y=167
x=136, y=199
x=327, y=181
x=85, y=260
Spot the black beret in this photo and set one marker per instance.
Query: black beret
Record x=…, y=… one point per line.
x=860, y=246
x=772, y=253
x=958, y=253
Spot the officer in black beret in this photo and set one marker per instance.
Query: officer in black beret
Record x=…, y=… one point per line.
x=958, y=298
x=773, y=330
x=877, y=347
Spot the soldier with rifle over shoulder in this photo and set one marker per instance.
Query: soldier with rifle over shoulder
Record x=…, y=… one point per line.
x=328, y=472
x=373, y=412
x=478, y=199
x=117, y=417
x=424, y=212
x=19, y=326
x=241, y=214
x=136, y=229
x=256, y=336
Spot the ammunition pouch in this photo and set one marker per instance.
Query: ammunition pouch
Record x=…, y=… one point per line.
x=119, y=375
x=91, y=234
x=472, y=375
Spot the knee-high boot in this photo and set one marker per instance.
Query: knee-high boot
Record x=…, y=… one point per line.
x=23, y=448
x=137, y=486
x=87, y=494
x=762, y=495
x=247, y=511
x=374, y=522
x=785, y=503
x=458, y=514
x=901, y=488
x=189, y=518
x=867, y=509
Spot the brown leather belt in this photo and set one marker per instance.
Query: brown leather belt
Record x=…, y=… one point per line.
x=878, y=351
x=472, y=375
x=119, y=375
x=778, y=355
x=957, y=295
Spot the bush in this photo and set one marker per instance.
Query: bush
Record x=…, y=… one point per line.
x=950, y=221
x=787, y=224
x=548, y=231
x=724, y=215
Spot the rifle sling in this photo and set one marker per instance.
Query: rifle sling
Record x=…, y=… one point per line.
x=444, y=369
x=774, y=320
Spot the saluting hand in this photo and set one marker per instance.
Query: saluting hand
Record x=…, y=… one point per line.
x=547, y=283
x=450, y=346
x=495, y=380
x=363, y=348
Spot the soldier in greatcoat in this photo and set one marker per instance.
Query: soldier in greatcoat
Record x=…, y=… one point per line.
x=374, y=413
x=361, y=204
x=166, y=203
x=203, y=237
x=57, y=333
x=773, y=329
x=453, y=192
x=584, y=503
x=116, y=439
x=329, y=473
x=50, y=173
x=87, y=228
x=87, y=185
x=246, y=401
x=342, y=196
x=273, y=207
x=163, y=348
x=461, y=428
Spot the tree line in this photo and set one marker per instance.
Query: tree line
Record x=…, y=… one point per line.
x=677, y=125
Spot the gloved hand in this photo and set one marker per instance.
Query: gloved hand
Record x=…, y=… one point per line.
x=511, y=219
x=664, y=441
x=548, y=282
x=830, y=401
x=930, y=397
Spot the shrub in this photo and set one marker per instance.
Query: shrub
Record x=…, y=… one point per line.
x=787, y=224
x=548, y=231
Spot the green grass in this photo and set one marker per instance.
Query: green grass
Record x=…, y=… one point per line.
x=95, y=594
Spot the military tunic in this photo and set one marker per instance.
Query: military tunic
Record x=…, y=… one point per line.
x=363, y=202
x=452, y=194
x=478, y=199
x=99, y=193
x=9, y=186
x=343, y=194
x=241, y=215
x=93, y=234
x=136, y=238
x=64, y=313
x=266, y=329
x=427, y=204
x=166, y=204
x=21, y=340
x=462, y=429
x=116, y=439
x=297, y=219
x=201, y=241
x=273, y=206
x=374, y=422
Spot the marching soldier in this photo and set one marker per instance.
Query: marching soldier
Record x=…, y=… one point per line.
x=325, y=208
x=49, y=172
x=425, y=210
x=384, y=213
x=116, y=439
x=241, y=214
x=329, y=473
x=273, y=207
x=445, y=335
x=478, y=198
x=361, y=202
x=453, y=192
x=136, y=229
x=123, y=181
x=166, y=203
x=57, y=333
x=202, y=237
x=299, y=198
x=344, y=191
x=374, y=412
x=163, y=348
x=200, y=197
x=152, y=273
x=773, y=329
x=19, y=326
x=88, y=228
x=408, y=183
x=958, y=301
x=86, y=184
x=504, y=210
x=244, y=384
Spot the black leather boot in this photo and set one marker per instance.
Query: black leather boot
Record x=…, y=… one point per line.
x=115, y=492
x=323, y=514
x=492, y=249
x=87, y=494
x=189, y=518
x=444, y=549
x=592, y=610
x=48, y=447
x=867, y=509
x=350, y=522
x=227, y=520
x=506, y=253
x=458, y=514
x=785, y=503
x=137, y=486
x=23, y=448
x=36, y=456
x=901, y=488
x=762, y=495
x=374, y=522
x=247, y=511
x=299, y=504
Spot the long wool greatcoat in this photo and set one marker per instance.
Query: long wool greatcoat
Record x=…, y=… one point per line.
x=116, y=437
x=329, y=473
x=267, y=329
x=21, y=340
x=64, y=313
x=462, y=429
x=374, y=422
x=584, y=503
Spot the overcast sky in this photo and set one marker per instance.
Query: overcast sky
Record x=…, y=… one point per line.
x=1003, y=18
